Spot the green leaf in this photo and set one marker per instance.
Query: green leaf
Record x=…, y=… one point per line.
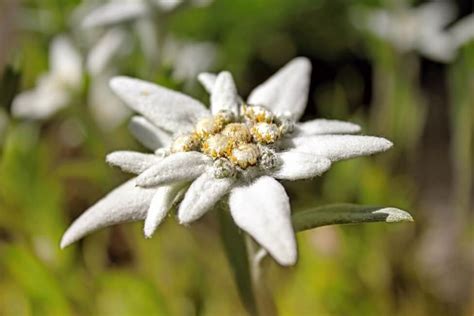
x=236, y=251
x=347, y=214
x=124, y=293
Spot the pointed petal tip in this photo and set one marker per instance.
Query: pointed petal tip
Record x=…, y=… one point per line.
x=288, y=260
x=148, y=231
x=66, y=240
x=354, y=128
x=184, y=218
x=395, y=215
x=302, y=60
x=117, y=81
x=205, y=75
x=150, y=226
x=386, y=144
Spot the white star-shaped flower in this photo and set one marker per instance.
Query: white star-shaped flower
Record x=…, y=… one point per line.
x=235, y=153
x=56, y=88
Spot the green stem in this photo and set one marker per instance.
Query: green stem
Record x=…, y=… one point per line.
x=265, y=303
x=236, y=252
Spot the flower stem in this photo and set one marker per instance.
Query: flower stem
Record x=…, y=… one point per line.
x=242, y=254
x=265, y=303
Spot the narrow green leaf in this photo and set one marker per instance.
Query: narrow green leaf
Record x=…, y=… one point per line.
x=347, y=214
x=236, y=251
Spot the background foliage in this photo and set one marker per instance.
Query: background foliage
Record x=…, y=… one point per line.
x=375, y=269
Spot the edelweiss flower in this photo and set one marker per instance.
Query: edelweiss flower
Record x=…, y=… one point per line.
x=56, y=88
x=105, y=106
x=235, y=153
x=419, y=29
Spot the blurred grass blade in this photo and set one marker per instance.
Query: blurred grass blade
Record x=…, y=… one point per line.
x=347, y=214
x=38, y=282
x=236, y=252
x=124, y=293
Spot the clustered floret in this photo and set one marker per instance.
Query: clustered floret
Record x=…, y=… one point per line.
x=237, y=142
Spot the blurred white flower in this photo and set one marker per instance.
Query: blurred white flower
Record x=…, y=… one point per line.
x=120, y=11
x=145, y=17
x=420, y=29
x=56, y=88
x=234, y=153
x=188, y=58
x=105, y=106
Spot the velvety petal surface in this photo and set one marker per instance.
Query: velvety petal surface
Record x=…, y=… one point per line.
x=132, y=161
x=338, y=147
x=124, y=204
x=165, y=108
x=178, y=167
x=262, y=209
x=287, y=90
x=297, y=166
x=160, y=205
x=322, y=126
x=224, y=94
x=202, y=195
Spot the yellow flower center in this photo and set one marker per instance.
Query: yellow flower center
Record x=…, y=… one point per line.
x=241, y=141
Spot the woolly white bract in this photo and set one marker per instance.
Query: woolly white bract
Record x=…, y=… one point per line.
x=235, y=153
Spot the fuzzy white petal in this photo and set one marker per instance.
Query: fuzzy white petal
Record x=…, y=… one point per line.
x=207, y=80
x=124, y=204
x=160, y=205
x=262, y=209
x=202, y=195
x=338, y=147
x=297, y=166
x=224, y=94
x=65, y=62
x=104, y=51
x=287, y=90
x=165, y=108
x=147, y=134
x=322, y=126
x=178, y=167
x=131, y=161
x=115, y=12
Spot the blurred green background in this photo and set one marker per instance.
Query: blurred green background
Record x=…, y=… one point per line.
x=425, y=107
